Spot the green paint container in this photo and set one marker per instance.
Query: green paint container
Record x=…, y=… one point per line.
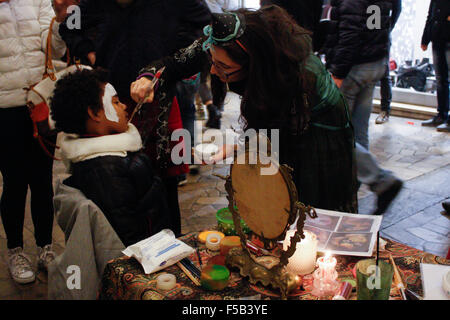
x=225, y=222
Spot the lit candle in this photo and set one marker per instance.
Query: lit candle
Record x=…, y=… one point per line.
x=325, y=276
x=303, y=261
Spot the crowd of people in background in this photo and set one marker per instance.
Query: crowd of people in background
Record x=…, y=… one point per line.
x=126, y=42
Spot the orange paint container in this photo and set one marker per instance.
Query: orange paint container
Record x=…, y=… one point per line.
x=227, y=243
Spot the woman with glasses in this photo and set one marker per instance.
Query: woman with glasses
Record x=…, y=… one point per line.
x=266, y=58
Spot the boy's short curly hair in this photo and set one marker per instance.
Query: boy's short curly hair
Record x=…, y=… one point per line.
x=73, y=95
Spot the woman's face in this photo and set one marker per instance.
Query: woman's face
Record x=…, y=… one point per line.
x=223, y=66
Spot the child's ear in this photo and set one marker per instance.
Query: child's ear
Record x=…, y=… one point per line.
x=95, y=116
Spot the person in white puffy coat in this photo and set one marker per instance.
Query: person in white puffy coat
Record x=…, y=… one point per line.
x=24, y=27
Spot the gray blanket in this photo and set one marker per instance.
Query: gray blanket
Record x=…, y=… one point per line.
x=90, y=243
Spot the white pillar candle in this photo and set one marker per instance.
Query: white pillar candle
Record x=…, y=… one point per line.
x=303, y=261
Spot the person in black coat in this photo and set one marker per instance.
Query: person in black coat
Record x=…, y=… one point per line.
x=306, y=13
x=130, y=33
x=357, y=52
x=105, y=159
x=437, y=31
x=350, y=41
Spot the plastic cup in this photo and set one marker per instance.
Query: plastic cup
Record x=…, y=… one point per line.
x=372, y=282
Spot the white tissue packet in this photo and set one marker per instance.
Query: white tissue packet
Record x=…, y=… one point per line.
x=159, y=251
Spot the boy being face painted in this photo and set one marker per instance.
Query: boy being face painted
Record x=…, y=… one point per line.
x=84, y=103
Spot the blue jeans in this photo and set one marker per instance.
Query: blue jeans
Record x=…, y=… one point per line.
x=358, y=88
x=370, y=173
x=441, y=61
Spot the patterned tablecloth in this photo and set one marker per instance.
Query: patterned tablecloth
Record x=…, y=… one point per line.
x=124, y=277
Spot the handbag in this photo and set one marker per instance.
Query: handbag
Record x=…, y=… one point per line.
x=39, y=94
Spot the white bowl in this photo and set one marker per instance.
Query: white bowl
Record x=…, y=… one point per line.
x=205, y=150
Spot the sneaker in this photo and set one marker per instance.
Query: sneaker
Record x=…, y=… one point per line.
x=194, y=169
x=445, y=127
x=182, y=180
x=200, y=114
x=385, y=197
x=446, y=206
x=382, y=117
x=19, y=266
x=433, y=122
x=45, y=256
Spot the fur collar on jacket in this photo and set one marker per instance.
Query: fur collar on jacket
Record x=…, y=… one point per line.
x=75, y=149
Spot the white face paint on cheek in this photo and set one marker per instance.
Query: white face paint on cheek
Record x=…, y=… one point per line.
x=110, y=111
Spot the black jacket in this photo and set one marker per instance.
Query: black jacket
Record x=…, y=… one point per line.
x=349, y=39
x=127, y=39
x=306, y=13
x=127, y=191
x=437, y=27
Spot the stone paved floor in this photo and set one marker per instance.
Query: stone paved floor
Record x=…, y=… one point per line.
x=420, y=156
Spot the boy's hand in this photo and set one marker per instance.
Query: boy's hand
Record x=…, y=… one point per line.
x=142, y=88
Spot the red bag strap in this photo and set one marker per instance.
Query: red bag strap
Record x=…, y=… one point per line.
x=48, y=54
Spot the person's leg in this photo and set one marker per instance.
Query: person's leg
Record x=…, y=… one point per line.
x=386, y=96
x=41, y=187
x=358, y=88
x=381, y=182
x=204, y=95
x=171, y=184
x=386, y=90
x=445, y=127
x=441, y=71
x=186, y=100
x=15, y=135
x=204, y=91
x=214, y=114
x=14, y=143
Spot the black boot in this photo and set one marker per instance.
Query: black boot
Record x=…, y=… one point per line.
x=433, y=122
x=214, y=116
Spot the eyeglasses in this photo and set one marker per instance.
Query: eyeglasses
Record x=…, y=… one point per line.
x=219, y=68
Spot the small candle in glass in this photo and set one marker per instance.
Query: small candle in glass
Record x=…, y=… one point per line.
x=325, y=276
x=303, y=261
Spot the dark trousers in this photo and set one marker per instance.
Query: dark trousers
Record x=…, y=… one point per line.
x=24, y=164
x=186, y=99
x=204, y=91
x=441, y=60
x=171, y=184
x=386, y=90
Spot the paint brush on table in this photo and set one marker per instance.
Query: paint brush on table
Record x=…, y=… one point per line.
x=152, y=86
x=397, y=278
x=191, y=267
x=188, y=274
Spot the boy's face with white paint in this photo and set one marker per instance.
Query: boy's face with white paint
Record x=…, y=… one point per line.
x=115, y=114
x=113, y=118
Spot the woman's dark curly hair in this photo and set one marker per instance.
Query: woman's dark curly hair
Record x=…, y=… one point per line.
x=277, y=48
x=73, y=95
